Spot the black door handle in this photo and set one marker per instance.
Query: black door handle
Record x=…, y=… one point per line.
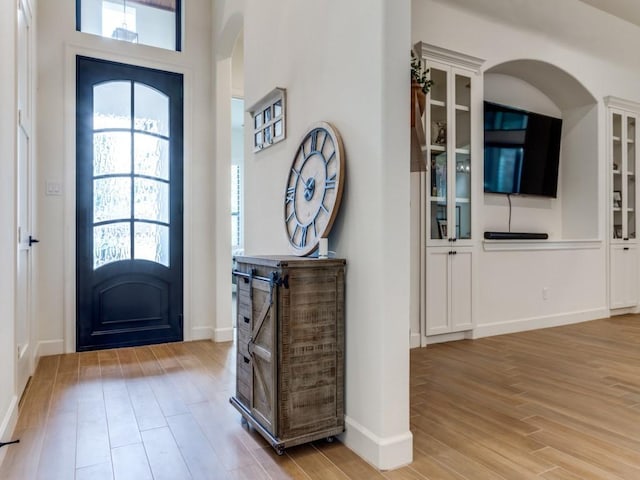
x=33, y=240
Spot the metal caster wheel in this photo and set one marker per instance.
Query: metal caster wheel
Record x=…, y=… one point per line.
x=331, y=439
x=279, y=450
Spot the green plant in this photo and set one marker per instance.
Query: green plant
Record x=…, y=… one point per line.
x=419, y=74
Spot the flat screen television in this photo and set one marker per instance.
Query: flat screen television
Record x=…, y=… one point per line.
x=521, y=151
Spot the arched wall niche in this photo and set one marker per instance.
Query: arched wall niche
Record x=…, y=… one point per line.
x=545, y=88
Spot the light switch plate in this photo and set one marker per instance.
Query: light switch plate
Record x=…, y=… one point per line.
x=54, y=188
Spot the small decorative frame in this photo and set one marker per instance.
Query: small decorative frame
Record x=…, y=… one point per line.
x=617, y=231
x=268, y=119
x=617, y=199
x=442, y=228
x=439, y=133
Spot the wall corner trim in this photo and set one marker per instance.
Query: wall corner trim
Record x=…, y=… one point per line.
x=223, y=334
x=8, y=424
x=386, y=453
x=201, y=333
x=49, y=347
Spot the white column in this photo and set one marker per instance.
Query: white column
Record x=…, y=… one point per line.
x=346, y=63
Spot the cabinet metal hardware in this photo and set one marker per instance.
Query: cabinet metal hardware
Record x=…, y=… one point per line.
x=2, y=444
x=246, y=360
x=626, y=248
x=33, y=240
x=246, y=319
x=279, y=281
x=248, y=276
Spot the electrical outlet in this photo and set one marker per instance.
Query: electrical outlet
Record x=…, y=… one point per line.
x=545, y=293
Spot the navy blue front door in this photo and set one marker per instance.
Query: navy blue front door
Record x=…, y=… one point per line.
x=129, y=191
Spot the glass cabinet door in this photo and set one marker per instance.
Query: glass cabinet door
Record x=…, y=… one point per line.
x=617, y=166
x=438, y=148
x=462, y=131
x=630, y=189
x=623, y=172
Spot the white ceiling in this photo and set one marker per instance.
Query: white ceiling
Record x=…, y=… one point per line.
x=628, y=10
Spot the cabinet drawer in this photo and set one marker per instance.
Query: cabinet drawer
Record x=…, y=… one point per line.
x=244, y=326
x=243, y=378
x=243, y=345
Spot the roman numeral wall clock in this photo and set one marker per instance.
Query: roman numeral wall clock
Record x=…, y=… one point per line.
x=314, y=188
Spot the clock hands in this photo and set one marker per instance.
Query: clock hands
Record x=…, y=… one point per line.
x=309, y=188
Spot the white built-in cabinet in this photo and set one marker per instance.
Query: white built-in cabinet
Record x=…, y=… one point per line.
x=622, y=136
x=453, y=122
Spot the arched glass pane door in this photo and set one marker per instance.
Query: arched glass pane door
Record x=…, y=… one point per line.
x=129, y=220
x=130, y=173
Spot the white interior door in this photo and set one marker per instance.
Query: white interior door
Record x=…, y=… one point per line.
x=23, y=330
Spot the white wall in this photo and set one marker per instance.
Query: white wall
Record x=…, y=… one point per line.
x=237, y=68
x=58, y=43
x=594, y=50
x=346, y=63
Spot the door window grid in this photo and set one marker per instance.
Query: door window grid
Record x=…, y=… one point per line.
x=131, y=184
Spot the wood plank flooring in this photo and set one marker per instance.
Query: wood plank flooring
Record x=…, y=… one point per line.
x=553, y=404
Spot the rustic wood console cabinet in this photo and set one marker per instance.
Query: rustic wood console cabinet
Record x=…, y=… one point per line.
x=290, y=347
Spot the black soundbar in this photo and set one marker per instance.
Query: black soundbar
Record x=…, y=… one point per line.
x=515, y=236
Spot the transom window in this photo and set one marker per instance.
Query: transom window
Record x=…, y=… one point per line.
x=149, y=22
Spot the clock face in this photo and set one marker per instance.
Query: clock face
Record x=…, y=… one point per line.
x=314, y=188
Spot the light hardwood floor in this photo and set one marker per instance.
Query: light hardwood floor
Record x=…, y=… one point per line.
x=554, y=404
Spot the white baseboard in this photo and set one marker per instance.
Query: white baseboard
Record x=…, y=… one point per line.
x=522, y=325
x=414, y=340
x=201, y=333
x=447, y=337
x=383, y=453
x=223, y=334
x=623, y=311
x=8, y=425
x=48, y=347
